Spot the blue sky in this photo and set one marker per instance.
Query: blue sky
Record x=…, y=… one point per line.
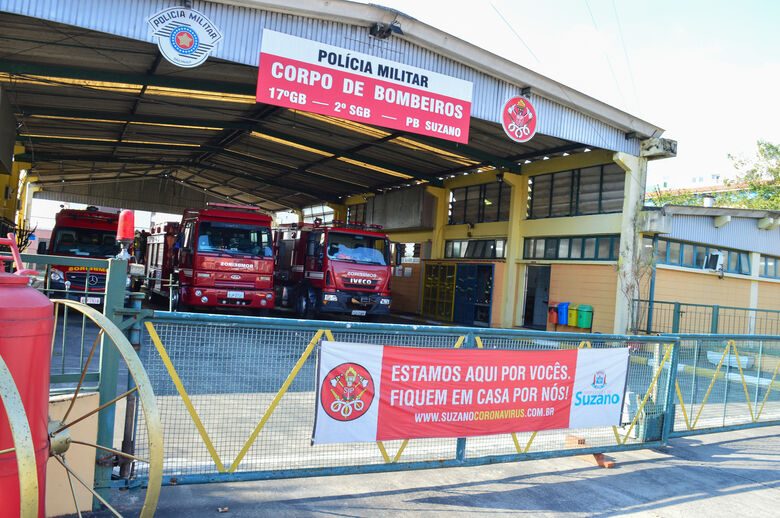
x=706, y=72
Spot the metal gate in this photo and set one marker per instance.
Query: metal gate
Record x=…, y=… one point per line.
x=237, y=398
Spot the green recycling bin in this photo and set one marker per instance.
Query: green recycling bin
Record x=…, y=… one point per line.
x=585, y=316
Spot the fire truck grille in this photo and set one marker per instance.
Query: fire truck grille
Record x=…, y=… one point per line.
x=372, y=284
x=95, y=281
x=231, y=284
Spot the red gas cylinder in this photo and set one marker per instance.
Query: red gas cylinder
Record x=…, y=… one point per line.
x=26, y=326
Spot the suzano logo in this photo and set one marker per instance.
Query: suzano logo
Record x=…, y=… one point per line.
x=587, y=399
x=599, y=380
x=347, y=392
x=596, y=398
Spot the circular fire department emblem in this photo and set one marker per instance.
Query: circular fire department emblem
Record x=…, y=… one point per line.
x=347, y=392
x=518, y=119
x=184, y=36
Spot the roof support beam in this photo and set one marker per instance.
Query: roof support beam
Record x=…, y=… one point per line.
x=238, y=127
x=18, y=68
x=199, y=148
x=463, y=149
x=43, y=157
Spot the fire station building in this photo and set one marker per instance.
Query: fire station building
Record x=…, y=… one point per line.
x=509, y=191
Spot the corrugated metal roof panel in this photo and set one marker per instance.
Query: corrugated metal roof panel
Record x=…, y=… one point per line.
x=242, y=29
x=740, y=233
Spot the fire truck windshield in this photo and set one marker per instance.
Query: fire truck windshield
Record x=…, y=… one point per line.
x=357, y=248
x=84, y=242
x=234, y=238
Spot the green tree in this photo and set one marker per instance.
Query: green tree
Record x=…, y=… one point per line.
x=761, y=174
x=757, y=186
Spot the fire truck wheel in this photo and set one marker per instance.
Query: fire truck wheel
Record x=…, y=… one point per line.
x=176, y=303
x=306, y=304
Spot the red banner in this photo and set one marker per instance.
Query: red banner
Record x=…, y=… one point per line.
x=369, y=392
x=314, y=77
x=490, y=391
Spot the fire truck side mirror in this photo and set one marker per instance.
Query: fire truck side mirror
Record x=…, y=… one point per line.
x=42, y=248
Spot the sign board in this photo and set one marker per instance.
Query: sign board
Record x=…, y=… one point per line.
x=519, y=120
x=185, y=37
x=315, y=77
x=377, y=393
x=7, y=133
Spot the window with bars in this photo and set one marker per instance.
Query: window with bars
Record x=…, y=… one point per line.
x=475, y=249
x=482, y=203
x=590, y=190
x=572, y=248
x=356, y=213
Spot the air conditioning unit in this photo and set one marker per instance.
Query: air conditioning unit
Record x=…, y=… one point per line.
x=714, y=261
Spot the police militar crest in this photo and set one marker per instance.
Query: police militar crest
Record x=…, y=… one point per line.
x=185, y=37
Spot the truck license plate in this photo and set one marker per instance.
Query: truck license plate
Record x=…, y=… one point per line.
x=90, y=300
x=235, y=294
x=359, y=312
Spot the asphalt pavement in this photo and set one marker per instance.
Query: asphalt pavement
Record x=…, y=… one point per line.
x=729, y=474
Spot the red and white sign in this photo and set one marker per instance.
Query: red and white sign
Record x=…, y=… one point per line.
x=518, y=118
x=378, y=393
x=315, y=77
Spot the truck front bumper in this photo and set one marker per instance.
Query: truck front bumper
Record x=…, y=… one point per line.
x=216, y=297
x=358, y=305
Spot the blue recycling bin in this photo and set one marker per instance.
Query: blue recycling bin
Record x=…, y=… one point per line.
x=563, y=313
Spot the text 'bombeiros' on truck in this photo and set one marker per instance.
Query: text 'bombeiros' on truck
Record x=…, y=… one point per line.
x=335, y=268
x=218, y=257
x=81, y=233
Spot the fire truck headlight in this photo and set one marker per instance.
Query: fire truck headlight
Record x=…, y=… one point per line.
x=330, y=298
x=269, y=296
x=385, y=302
x=204, y=299
x=263, y=302
x=56, y=276
x=198, y=293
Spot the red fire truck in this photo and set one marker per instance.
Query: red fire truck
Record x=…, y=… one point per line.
x=333, y=268
x=81, y=233
x=223, y=257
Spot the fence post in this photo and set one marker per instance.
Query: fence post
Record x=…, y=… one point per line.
x=128, y=440
x=114, y=299
x=671, y=379
x=714, y=323
x=676, y=318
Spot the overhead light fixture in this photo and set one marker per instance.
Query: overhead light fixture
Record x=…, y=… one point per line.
x=383, y=31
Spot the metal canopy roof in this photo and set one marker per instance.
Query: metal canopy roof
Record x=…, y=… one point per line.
x=103, y=109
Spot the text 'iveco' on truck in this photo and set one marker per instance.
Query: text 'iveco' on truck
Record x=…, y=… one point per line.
x=223, y=257
x=81, y=233
x=335, y=268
